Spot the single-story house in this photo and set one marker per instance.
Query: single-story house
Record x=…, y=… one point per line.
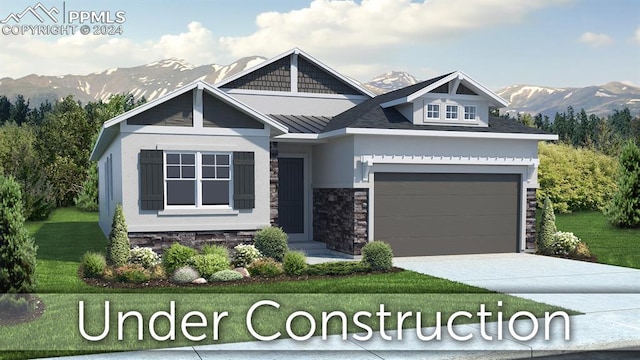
x=293, y=143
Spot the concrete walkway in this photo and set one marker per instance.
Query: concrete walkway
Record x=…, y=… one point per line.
x=609, y=297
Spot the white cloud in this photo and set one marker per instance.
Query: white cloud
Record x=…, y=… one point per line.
x=595, y=40
x=636, y=36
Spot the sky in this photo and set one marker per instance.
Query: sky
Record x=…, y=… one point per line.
x=559, y=43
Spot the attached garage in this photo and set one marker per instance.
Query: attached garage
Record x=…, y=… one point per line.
x=444, y=214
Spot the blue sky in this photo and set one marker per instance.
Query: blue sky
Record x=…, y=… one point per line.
x=560, y=43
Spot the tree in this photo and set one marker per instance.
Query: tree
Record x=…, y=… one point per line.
x=5, y=109
x=20, y=110
x=87, y=199
x=17, y=248
x=547, y=228
x=624, y=209
x=119, y=248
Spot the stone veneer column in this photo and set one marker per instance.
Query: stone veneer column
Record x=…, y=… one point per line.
x=530, y=232
x=341, y=218
x=273, y=182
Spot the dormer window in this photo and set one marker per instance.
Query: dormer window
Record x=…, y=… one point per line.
x=452, y=112
x=470, y=113
x=433, y=111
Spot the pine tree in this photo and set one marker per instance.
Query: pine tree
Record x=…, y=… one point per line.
x=547, y=228
x=17, y=248
x=118, y=250
x=87, y=198
x=624, y=209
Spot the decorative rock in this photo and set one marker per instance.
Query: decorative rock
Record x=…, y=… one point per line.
x=242, y=272
x=199, y=281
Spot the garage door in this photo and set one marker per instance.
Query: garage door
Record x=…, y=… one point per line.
x=444, y=214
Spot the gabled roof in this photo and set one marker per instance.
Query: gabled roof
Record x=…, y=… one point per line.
x=352, y=83
x=109, y=129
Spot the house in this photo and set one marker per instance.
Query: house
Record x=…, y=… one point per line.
x=293, y=143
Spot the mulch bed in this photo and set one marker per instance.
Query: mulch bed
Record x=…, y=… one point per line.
x=7, y=319
x=164, y=283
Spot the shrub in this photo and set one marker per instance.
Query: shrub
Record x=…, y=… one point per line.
x=157, y=272
x=93, y=264
x=271, y=242
x=87, y=199
x=226, y=275
x=12, y=304
x=378, y=255
x=245, y=255
x=143, y=256
x=119, y=247
x=185, y=274
x=564, y=242
x=208, y=264
x=267, y=267
x=337, y=268
x=624, y=208
x=215, y=250
x=547, y=229
x=17, y=248
x=132, y=273
x=177, y=256
x=294, y=264
x=575, y=179
x=581, y=252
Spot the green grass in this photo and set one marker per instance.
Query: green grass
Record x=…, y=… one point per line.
x=611, y=245
x=69, y=233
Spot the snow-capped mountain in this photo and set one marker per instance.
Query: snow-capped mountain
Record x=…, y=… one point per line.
x=390, y=81
x=151, y=81
x=599, y=100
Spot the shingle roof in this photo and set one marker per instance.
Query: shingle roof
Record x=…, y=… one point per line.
x=369, y=114
x=302, y=124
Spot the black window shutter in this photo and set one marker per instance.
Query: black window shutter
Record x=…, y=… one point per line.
x=244, y=193
x=151, y=180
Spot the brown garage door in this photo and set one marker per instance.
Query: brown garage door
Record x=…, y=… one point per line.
x=442, y=214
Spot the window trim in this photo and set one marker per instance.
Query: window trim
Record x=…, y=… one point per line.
x=199, y=180
x=475, y=113
x=426, y=112
x=447, y=112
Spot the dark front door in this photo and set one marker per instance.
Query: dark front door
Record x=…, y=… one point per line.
x=291, y=195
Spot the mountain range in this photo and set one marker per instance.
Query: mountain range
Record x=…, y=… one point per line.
x=158, y=78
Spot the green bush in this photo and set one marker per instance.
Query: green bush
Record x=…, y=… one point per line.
x=377, y=255
x=581, y=252
x=184, y=275
x=93, y=264
x=143, y=256
x=245, y=255
x=272, y=242
x=226, y=275
x=132, y=273
x=564, y=242
x=337, y=268
x=215, y=250
x=294, y=264
x=267, y=267
x=87, y=199
x=157, y=272
x=177, y=256
x=118, y=250
x=14, y=304
x=575, y=179
x=209, y=264
x=624, y=208
x=17, y=248
x=547, y=229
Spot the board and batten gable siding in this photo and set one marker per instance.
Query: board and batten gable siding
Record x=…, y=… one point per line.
x=175, y=112
x=218, y=114
x=272, y=77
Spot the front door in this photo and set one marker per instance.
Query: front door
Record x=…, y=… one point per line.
x=291, y=209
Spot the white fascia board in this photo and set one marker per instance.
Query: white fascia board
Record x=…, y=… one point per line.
x=499, y=100
x=105, y=137
x=245, y=108
x=310, y=138
x=433, y=86
x=437, y=133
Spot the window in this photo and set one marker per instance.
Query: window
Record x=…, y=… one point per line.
x=433, y=111
x=197, y=179
x=452, y=112
x=470, y=112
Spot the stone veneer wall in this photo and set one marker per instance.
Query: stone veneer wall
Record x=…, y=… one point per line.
x=274, y=182
x=195, y=239
x=340, y=218
x=530, y=232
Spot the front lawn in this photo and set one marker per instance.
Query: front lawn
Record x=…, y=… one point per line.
x=610, y=244
x=69, y=233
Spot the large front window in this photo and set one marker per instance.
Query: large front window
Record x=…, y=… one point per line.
x=197, y=179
